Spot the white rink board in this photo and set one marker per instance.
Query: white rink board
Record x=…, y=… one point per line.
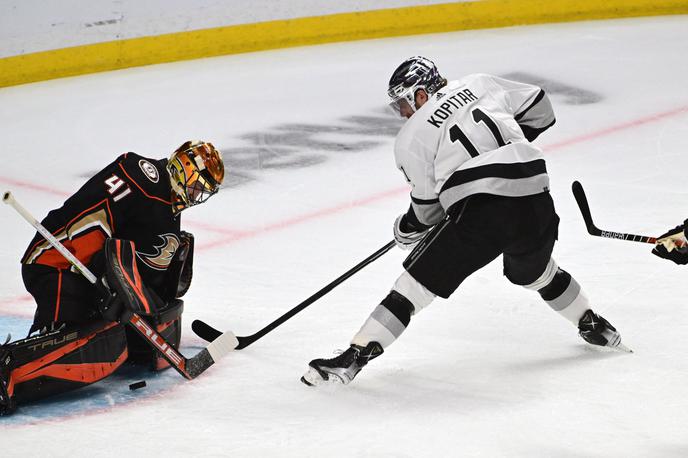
x=491, y=371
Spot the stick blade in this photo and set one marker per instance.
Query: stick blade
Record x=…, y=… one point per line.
x=216, y=350
x=623, y=348
x=582, y=201
x=205, y=331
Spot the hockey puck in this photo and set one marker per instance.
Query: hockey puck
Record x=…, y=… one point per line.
x=137, y=385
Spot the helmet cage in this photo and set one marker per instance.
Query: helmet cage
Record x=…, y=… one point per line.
x=400, y=95
x=190, y=176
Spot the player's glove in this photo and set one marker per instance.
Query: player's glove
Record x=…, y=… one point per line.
x=673, y=245
x=185, y=256
x=407, y=235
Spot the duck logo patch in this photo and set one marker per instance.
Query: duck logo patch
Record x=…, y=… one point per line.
x=162, y=254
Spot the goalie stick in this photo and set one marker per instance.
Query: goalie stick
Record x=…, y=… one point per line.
x=582, y=201
x=208, y=333
x=190, y=368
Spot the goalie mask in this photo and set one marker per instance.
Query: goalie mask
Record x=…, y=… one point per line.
x=196, y=173
x=413, y=74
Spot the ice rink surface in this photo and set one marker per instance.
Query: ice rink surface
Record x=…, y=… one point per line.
x=491, y=372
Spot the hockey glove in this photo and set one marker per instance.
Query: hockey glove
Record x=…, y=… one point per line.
x=180, y=271
x=407, y=235
x=673, y=245
x=187, y=258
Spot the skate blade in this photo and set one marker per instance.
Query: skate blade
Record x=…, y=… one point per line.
x=312, y=378
x=622, y=347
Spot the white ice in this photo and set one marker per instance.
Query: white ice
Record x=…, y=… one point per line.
x=491, y=371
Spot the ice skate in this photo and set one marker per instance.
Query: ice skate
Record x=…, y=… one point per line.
x=595, y=330
x=342, y=368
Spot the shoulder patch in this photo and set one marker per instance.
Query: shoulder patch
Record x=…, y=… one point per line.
x=149, y=170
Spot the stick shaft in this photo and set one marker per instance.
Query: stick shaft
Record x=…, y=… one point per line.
x=9, y=199
x=326, y=289
x=207, y=332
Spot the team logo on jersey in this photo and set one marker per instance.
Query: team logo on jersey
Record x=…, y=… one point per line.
x=162, y=254
x=149, y=170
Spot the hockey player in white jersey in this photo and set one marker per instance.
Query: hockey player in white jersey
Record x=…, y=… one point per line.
x=479, y=189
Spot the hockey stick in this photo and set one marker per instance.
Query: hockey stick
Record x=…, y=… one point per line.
x=207, y=332
x=582, y=201
x=187, y=367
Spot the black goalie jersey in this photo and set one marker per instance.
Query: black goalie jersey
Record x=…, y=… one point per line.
x=129, y=199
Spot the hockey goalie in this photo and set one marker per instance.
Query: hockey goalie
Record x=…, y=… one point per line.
x=126, y=218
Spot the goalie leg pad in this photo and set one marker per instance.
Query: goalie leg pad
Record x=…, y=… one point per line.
x=64, y=360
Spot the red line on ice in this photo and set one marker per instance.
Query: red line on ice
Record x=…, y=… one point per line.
x=33, y=186
x=613, y=129
x=9, y=307
x=233, y=235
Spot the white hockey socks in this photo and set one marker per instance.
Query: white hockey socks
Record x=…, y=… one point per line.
x=561, y=292
x=392, y=316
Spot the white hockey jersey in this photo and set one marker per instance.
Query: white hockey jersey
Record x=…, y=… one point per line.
x=473, y=136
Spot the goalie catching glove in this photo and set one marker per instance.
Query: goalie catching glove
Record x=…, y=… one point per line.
x=673, y=245
x=180, y=271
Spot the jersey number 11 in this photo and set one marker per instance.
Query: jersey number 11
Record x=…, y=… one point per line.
x=455, y=132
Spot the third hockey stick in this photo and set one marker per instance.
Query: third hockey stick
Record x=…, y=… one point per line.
x=190, y=368
x=582, y=201
x=207, y=332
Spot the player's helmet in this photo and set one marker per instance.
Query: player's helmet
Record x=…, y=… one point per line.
x=413, y=74
x=196, y=173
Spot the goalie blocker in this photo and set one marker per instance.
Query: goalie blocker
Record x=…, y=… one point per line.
x=75, y=355
x=123, y=290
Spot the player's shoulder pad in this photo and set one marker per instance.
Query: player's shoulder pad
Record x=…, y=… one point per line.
x=483, y=79
x=148, y=175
